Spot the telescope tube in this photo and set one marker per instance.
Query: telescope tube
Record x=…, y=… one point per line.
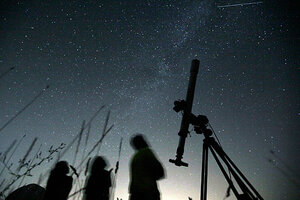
x=185, y=122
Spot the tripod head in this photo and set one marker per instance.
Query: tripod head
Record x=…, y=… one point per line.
x=200, y=124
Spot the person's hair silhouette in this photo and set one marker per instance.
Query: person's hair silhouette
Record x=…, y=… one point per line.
x=98, y=182
x=59, y=184
x=145, y=170
x=138, y=142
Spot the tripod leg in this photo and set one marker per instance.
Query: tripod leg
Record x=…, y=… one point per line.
x=224, y=173
x=204, y=172
x=243, y=177
x=238, y=177
x=231, y=164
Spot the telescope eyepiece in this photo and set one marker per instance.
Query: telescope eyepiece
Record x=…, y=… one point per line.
x=179, y=163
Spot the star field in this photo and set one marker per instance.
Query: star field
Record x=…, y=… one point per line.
x=134, y=57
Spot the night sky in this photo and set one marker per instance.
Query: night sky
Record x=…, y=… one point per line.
x=134, y=57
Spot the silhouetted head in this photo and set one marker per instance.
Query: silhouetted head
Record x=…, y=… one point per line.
x=61, y=167
x=99, y=163
x=138, y=142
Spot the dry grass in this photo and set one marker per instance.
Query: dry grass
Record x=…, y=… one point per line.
x=23, y=169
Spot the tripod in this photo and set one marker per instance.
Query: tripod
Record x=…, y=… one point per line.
x=248, y=191
x=200, y=124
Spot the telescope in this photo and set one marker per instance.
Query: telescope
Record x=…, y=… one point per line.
x=186, y=107
x=246, y=191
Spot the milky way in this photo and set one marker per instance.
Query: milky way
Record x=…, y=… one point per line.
x=134, y=57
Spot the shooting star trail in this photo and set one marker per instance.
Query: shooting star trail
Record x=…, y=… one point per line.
x=290, y=169
x=241, y=4
x=284, y=173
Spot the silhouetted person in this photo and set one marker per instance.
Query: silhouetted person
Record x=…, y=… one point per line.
x=145, y=170
x=98, y=182
x=59, y=184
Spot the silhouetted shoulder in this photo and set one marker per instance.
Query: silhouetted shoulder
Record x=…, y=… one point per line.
x=155, y=165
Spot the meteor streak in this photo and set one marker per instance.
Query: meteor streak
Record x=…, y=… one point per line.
x=241, y=4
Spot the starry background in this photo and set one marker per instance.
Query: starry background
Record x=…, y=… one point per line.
x=134, y=57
